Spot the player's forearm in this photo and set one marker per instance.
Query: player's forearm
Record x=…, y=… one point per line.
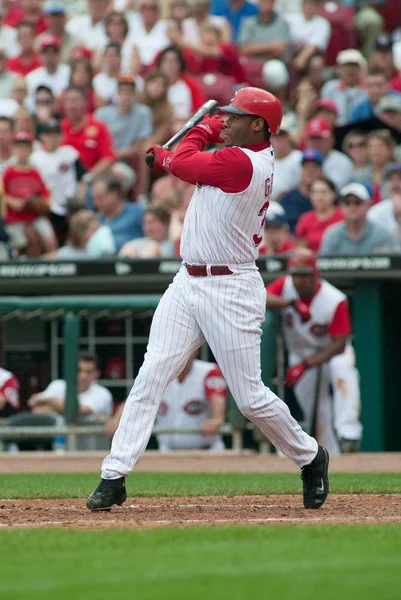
x=274, y=302
x=336, y=346
x=218, y=408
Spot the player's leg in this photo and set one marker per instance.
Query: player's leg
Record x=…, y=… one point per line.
x=230, y=314
x=174, y=336
x=345, y=382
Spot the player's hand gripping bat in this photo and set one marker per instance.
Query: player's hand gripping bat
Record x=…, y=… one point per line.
x=208, y=108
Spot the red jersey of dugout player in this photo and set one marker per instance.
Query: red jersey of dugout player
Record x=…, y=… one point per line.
x=316, y=327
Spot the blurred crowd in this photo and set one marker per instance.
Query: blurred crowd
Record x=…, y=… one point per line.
x=86, y=86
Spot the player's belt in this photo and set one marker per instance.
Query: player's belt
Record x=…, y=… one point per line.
x=204, y=271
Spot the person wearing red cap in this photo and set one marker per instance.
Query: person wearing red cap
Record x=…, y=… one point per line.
x=28, y=59
x=27, y=200
x=336, y=166
x=347, y=90
x=27, y=10
x=56, y=20
x=54, y=74
x=218, y=295
x=317, y=327
x=327, y=110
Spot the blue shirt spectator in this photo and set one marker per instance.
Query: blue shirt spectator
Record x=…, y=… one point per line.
x=123, y=218
x=235, y=11
x=377, y=86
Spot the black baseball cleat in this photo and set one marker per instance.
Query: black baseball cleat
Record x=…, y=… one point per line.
x=316, y=480
x=107, y=493
x=349, y=446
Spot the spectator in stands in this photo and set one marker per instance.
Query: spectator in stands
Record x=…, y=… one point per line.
x=149, y=31
x=156, y=243
x=380, y=153
x=8, y=36
x=131, y=125
x=287, y=167
x=177, y=207
x=309, y=32
x=27, y=199
x=200, y=15
x=90, y=26
x=313, y=224
x=387, y=213
x=355, y=147
x=377, y=86
x=168, y=191
x=184, y=93
x=24, y=123
x=6, y=143
x=265, y=35
x=124, y=218
x=155, y=97
x=368, y=21
x=86, y=134
x=56, y=21
x=9, y=394
x=326, y=109
x=95, y=401
x=389, y=111
x=45, y=107
x=315, y=71
x=27, y=10
x=179, y=10
x=60, y=169
x=276, y=236
x=346, y=91
x=117, y=31
x=28, y=59
x=82, y=77
x=87, y=239
x=337, y=166
x=356, y=235
x=302, y=104
x=19, y=91
x=54, y=74
x=105, y=83
x=6, y=77
x=382, y=55
x=297, y=201
x=236, y=12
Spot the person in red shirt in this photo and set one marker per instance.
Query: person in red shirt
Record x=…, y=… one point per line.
x=9, y=393
x=27, y=10
x=90, y=137
x=28, y=59
x=316, y=326
x=276, y=237
x=312, y=225
x=24, y=191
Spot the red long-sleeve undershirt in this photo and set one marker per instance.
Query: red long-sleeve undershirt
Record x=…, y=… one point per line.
x=229, y=169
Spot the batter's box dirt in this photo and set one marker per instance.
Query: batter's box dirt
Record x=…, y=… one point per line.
x=139, y=513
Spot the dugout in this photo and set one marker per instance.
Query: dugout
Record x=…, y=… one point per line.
x=47, y=310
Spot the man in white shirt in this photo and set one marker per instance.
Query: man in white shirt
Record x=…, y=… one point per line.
x=90, y=26
x=336, y=166
x=95, y=401
x=148, y=31
x=54, y=74
x=387, y=213
x=309, y=32
x=287, y=168
x=8, y=37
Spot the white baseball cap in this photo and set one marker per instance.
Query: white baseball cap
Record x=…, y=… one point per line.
x=356, y=189
x=350, y=56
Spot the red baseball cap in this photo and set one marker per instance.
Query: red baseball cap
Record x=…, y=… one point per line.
x=328, y=104
x=23, y=136
x=318, y=127
x=49, y=41
x=80, y=52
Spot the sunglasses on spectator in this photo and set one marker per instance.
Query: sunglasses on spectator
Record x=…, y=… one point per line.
x=356, y=145
x=50, y=50
x=44, y=101
x=355, y=202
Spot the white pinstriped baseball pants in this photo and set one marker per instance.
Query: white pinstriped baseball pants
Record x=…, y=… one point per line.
x=227, y=312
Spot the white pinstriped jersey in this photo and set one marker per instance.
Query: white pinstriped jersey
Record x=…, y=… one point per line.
x=304, y=339
x=223, y=228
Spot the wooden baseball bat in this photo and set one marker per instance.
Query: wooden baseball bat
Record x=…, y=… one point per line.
x=208, y=108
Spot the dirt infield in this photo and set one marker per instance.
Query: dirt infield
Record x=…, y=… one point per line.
x=198, y=462
x=142, y=513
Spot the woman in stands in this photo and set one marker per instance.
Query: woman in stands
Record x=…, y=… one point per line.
x=155, y=96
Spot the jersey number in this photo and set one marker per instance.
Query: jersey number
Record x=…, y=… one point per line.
x=257, y=237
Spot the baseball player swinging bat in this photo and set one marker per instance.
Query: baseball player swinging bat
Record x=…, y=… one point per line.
x=208, y=108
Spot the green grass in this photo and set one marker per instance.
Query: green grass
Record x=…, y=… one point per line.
x=279, y=563
x=79, y=485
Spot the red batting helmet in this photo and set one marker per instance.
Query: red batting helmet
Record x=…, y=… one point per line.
x=302, y=261
x=254, y=101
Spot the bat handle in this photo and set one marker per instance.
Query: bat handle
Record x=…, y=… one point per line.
x=150, y=160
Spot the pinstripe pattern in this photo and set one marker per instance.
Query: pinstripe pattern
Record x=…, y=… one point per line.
x=227, y=311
